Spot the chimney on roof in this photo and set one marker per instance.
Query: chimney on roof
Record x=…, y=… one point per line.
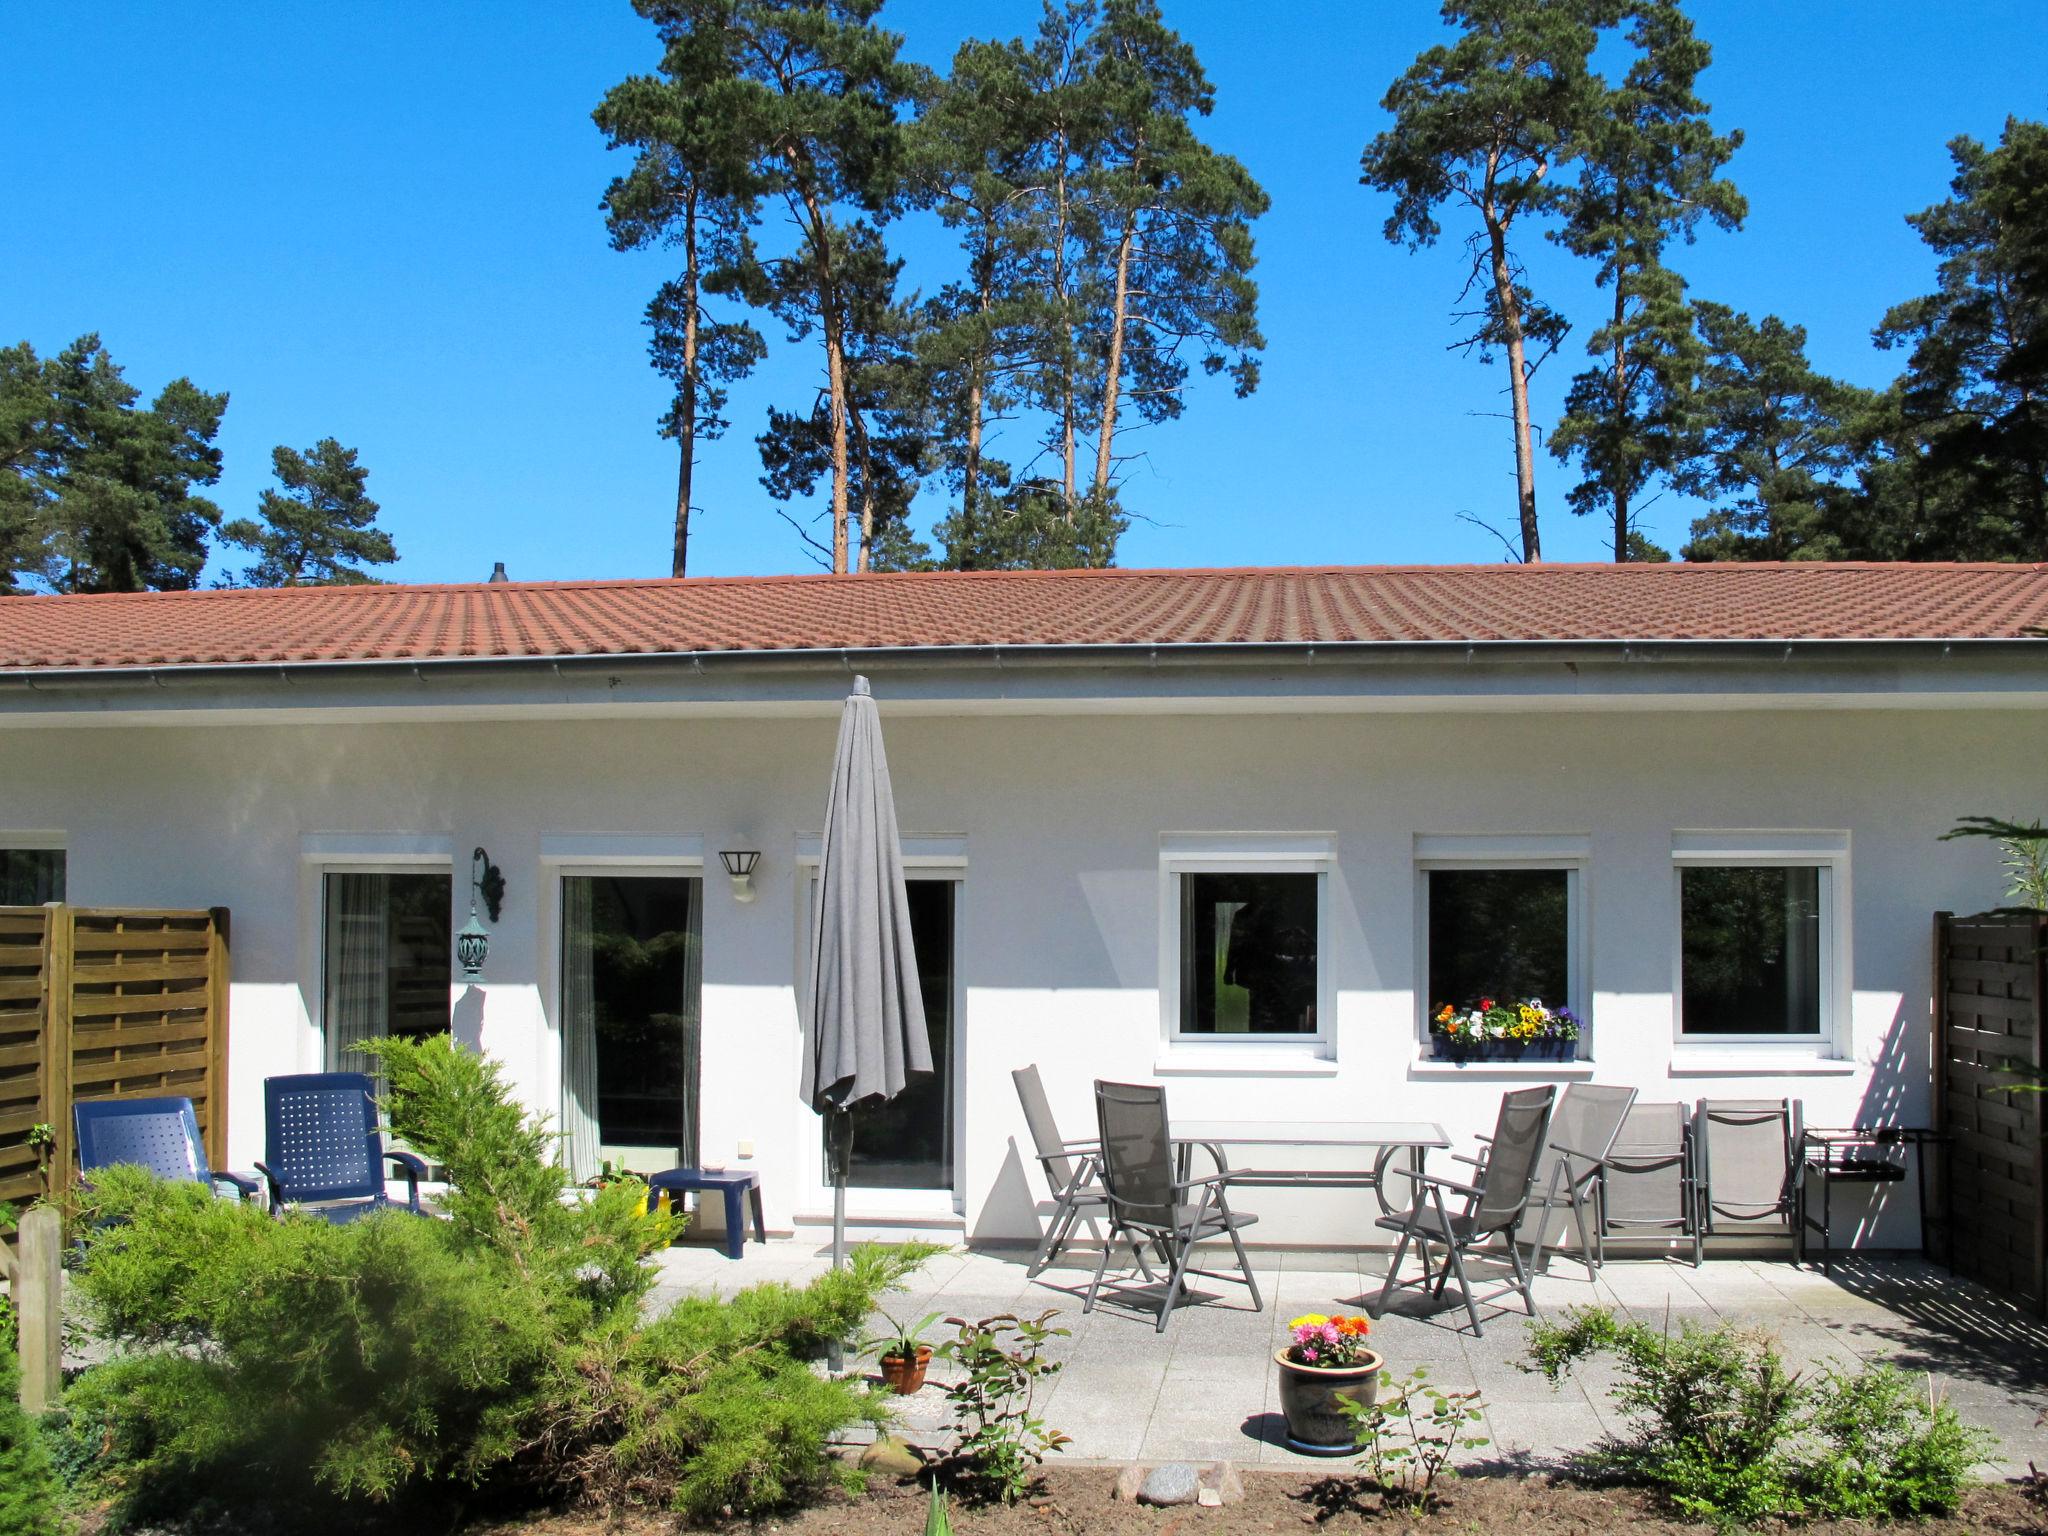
x=497, y=573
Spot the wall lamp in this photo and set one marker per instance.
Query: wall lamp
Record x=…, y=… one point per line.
x=739, y=863
x=473, y=943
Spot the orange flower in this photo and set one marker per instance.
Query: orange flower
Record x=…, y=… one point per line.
x=1357, y=1327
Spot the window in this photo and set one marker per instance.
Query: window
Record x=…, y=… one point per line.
x=388, y=959
x=1752, y=950
x=31, y=876
x=1499, y=933
x=632, y=981
x=907, y=1142
x=1248, y=942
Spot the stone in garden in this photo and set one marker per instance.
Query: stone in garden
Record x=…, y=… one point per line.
x=1177, y=1482
x=893, y=1457
x=1128, y=1482
x=1220, y=1478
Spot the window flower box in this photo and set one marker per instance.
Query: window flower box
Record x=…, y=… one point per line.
x=1497, y=1031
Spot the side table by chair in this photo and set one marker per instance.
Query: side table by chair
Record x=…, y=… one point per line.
x=733, y=1183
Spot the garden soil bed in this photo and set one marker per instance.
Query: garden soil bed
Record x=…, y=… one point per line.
x=1076, y=1500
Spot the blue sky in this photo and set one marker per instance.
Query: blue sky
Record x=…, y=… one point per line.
x=379, y=222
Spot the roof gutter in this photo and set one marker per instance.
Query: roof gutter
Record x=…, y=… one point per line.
x=848, y=659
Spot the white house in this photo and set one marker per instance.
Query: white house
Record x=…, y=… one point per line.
x=1236, y=831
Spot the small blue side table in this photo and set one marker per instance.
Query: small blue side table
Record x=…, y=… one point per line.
x=732, y=1183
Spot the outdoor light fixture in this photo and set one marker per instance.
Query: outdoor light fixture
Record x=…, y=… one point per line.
x=473, y=943
x=739, y=863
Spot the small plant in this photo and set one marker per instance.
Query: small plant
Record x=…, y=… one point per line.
x=938, y=1520
x=1409, y=1438
x=1002, y=1440
x=42, y=1141
x=1726, y=1433
x=902, y=1341
x=1329, y=1342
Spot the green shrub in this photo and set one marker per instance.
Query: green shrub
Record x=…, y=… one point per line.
x=28, y=1485
x=1727, y=1434
x=503, y=1345
x=1002, y=1438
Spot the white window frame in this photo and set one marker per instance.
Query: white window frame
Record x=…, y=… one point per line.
x=358, y=853
x=565, y=854
x=925, y=857
x=1244, y=853
x=1570, y=852
x=1826, y=850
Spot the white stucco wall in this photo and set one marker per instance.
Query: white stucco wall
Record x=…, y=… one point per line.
x=1059, y=950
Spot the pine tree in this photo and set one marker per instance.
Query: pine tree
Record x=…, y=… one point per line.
x=1484, y=124
x=1649, y=171
x=320, y=529
x=1975, y=389
x=690, y=188
x=1775, y=442
x=101, y=491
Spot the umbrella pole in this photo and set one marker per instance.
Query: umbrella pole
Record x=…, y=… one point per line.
x=838, y=1143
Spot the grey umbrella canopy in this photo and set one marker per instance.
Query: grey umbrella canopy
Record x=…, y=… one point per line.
x=867, y=1013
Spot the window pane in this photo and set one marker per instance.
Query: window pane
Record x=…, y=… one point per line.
x=1499, y=933
x=907, y=1143
x=1751, y=951
x=389, y=960
x=644, y=976
x=31, y=876
x=1248, y=954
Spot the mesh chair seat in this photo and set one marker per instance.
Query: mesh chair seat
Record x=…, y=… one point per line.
x=1070, y=1167
x=1746, y=1162
x=1425, y=1221
x=323, y=1152
x=1202, y=1221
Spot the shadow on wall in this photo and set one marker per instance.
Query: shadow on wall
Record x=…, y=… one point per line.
x=466, y=1019
x=1009, y=1213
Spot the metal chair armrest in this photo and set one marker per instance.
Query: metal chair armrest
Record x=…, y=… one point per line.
x=1440, y=1182
x=276, y=1189
x=245, y=1187
x=414, y=1170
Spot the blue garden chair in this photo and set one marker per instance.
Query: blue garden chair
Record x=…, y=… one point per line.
x=161, y=1135
x=323, y=1151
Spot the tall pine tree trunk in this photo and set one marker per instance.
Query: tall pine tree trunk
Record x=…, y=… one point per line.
x=1510, y=311
x=1112, y=383
x=1066, y=324
x=1620, y=420
x=835, y=370
x=984, y=295
x=686, y=406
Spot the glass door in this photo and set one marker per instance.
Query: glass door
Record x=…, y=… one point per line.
x=907, y=1143
x=387, y=960
x=632, y=981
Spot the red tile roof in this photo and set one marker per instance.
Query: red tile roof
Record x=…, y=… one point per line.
x=1332, y=606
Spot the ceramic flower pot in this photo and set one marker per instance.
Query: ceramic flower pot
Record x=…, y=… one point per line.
x=904, y=1374
x=1310, y=1397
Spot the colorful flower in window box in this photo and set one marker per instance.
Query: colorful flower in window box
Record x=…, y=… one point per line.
x=1494, y=1030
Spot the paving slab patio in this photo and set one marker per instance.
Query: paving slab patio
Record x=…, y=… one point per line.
x=1204, y=1389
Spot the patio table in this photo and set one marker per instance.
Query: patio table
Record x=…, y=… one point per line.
x=1419, y=1136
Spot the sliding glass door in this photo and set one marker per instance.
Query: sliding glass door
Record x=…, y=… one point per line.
x=632, y=978
x=907, y=1143
x=387, y=960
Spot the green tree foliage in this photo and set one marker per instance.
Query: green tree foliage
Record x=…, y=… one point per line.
x=28, y=1484
x=98, y=491
x=1975, y=389
x=1649, y=171
x=1775, y=443
x=1484, y=125
x=690, y=188
x=804, y=110
x=397, y=1356
x=321, y=529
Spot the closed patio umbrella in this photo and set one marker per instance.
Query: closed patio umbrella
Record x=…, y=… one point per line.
x=867, y=1014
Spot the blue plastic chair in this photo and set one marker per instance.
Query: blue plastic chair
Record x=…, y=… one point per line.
x=323, y=1151
x=161, y=1135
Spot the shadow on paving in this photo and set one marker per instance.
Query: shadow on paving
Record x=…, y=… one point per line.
x=1949, y=1326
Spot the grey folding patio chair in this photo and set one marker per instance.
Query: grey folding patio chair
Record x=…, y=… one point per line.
x=1148, y=1204
x=1070, y=1169
x=1744, y=1162
x=1648, y=1182
x=1582, y=1133
x=1493, y=1205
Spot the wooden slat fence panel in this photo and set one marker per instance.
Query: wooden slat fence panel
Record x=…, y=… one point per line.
x=107, y=1003
x=1991, y=981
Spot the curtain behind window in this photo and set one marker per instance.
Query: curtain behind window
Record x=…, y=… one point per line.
x=358, y=968
x=579, y=1031
x=692, y=1011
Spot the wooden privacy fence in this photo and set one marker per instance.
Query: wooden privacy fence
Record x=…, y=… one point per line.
x=1988, y=1038
x=106, y=1003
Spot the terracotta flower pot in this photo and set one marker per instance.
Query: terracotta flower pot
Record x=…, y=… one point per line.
x=904, y=1374
x=1309, y=1396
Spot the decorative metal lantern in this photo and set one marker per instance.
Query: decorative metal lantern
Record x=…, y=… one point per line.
x=473, y=943
x=739, y=863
